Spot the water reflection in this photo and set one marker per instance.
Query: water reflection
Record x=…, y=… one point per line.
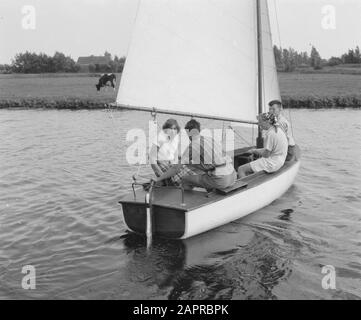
x=238, y=263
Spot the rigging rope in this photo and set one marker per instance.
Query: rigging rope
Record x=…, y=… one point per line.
x=280, y=42
x=253, y=141
x=110, y=110
x=240, y=136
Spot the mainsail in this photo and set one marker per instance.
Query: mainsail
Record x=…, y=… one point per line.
x=199, y=57
x=270, y=88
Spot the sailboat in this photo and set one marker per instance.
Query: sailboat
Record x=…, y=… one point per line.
x=206, y=59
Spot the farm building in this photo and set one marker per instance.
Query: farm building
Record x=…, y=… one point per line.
x=86, y=63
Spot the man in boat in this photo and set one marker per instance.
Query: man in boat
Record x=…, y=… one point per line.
x=273, y=155
x=164, y=153
x=205, y=157
x=275, y=107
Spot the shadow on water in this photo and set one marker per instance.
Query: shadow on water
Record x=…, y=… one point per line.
x=286, y=214
x=233, y=262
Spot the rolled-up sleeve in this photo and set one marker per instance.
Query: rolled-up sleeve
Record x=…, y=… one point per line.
x=270, y=141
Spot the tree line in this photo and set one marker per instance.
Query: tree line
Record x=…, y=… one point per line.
x=30, y=62
x=288, y=60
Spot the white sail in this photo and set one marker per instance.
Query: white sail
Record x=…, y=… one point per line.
x=198, y=57
x=271, y=89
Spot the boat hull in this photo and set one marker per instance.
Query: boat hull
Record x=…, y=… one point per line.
x=177, y=222
x=238, y=205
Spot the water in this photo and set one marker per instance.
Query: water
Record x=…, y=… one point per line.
x=62, y=173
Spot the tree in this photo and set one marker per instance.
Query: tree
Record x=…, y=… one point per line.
x=108, y=55
x=334, y=61
x=278, y=57
x=113, y=66
x=64, y=63
x=38, y=63
x=5, y=69
x=305, y=58
x=357, y=55
x=289, y=61
x=59, y=61
x=27, y=63
x=315, y=59
x=353, y=56
x=120, y=64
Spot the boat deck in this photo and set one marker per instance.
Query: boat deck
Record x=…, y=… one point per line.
x=169, y=197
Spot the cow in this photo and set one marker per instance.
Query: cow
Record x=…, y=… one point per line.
x=105, y=79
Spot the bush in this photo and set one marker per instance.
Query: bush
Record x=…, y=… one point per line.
x=41, y=63
x=334, y=62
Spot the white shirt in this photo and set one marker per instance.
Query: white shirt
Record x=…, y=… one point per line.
x=167, y=148
x=285, y=126
x=276, y=143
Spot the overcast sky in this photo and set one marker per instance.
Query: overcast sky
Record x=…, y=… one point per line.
x=84, y=27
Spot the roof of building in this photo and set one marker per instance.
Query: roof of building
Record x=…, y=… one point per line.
x=93, y=60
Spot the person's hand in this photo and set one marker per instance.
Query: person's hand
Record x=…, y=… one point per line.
x=155, y=179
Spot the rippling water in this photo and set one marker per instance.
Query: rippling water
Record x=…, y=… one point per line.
x=62, y=174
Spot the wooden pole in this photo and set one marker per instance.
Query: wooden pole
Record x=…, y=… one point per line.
x=260, y=142
x=149, y=230
x=149, y=218
x=177, y=113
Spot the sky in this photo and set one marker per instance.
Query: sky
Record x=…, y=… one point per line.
x=85, y=27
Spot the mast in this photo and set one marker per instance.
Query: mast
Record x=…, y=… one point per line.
x=260, y=142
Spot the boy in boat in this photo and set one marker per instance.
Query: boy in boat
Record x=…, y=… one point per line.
x=205, y=156
x=164, y=153
x=273, y=156
x=276, y=109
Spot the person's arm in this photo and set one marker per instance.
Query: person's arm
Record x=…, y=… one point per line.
x=172, y=171
x=158, y=172
x=266, y=153
x=270, y=142
x=153, y=160
x=259, y=152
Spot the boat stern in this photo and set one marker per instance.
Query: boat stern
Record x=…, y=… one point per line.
x=167, y=222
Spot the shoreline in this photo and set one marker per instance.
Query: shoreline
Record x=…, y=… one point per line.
x=69, y=103
x=78, y=92
x=55, y=103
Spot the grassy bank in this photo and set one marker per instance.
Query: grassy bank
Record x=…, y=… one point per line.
x=77, y=91
x=60, y=91
x=320, y=90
